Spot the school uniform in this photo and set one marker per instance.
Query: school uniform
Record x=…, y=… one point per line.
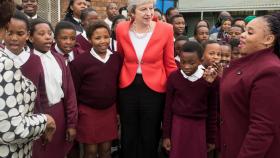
x=31, y=67
x=250, y=107
x=77, y=22
x=96, y=82
x=177, y=61
x=83, y=41
x=62, y=105
x=190, y=114
x=69, y=57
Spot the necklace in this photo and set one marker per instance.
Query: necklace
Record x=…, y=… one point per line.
x=142, y=35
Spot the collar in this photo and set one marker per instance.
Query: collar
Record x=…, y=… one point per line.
x=107, y=56
x=71, y=54
x=40, y=54
x=33, y=17
x=84, y=34
x=18, y=59
x=196, y=75
x=77, y=20
x=177, y=58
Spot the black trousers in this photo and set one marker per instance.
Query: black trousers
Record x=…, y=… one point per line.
x=140, y=113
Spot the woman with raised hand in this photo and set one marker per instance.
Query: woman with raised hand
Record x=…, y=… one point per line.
x=19, y=126
x=148, y=59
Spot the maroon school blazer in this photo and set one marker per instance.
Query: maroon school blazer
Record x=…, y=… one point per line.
x=250, y=107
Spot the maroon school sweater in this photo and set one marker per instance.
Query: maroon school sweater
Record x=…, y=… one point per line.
x=96, y=82
x=196, y=100
x=33, y=70
x=83, y=43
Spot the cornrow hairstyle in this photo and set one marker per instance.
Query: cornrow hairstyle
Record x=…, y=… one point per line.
x=192, y=47
x=96, y=25
x=7, y=9
x=63, y=25
x=274, y=26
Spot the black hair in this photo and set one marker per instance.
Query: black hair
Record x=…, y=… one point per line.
x=221, y=17
x=7, y=9
x=69, y=11
x=192, y=47
x=196, y=29
x=22, y=17
x=274, y=26
x=96, y=25
x=115, y=19
x=206, y=43
x=181, y=38
x=226, y=44
x=196, y=25
x=238, y=19
x=242, y=29
x=63, y=25
x=158, y=10
x=168, y=11
x=176, y=16
x=122, y=8
x=234, y=43
x=37, y=21
x=85, y=12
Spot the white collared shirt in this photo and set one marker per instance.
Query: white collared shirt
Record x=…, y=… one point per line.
x=71, y=54
x=77, y=20
x=177, y=58
x=195, y=76
x=109, y=22
x=107, y=56
x=33, y=17
x=20, y=59
x=84, y=34
x=53, y=77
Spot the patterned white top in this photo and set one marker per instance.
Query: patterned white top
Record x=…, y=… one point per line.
x=18, y=125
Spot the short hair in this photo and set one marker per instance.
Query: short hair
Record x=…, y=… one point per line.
x=226, y=44
x=96, y=25
x=63, y=25
x=38, y=21
x=238, y=19
x=181, y=38
x=196, y=29
x=206, y=43
x=85, y=12
x=133, y=3
x=158, y=10
x=167, y=13
x=176, y=16
x=242, y=29
x=234, y=43
x=7, y=9
x=116, y=18
x=22, y=17
x=192, y=47
x=109, y=4
x=207, y=23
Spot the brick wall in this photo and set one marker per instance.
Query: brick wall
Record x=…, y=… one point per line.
x=99, y=5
